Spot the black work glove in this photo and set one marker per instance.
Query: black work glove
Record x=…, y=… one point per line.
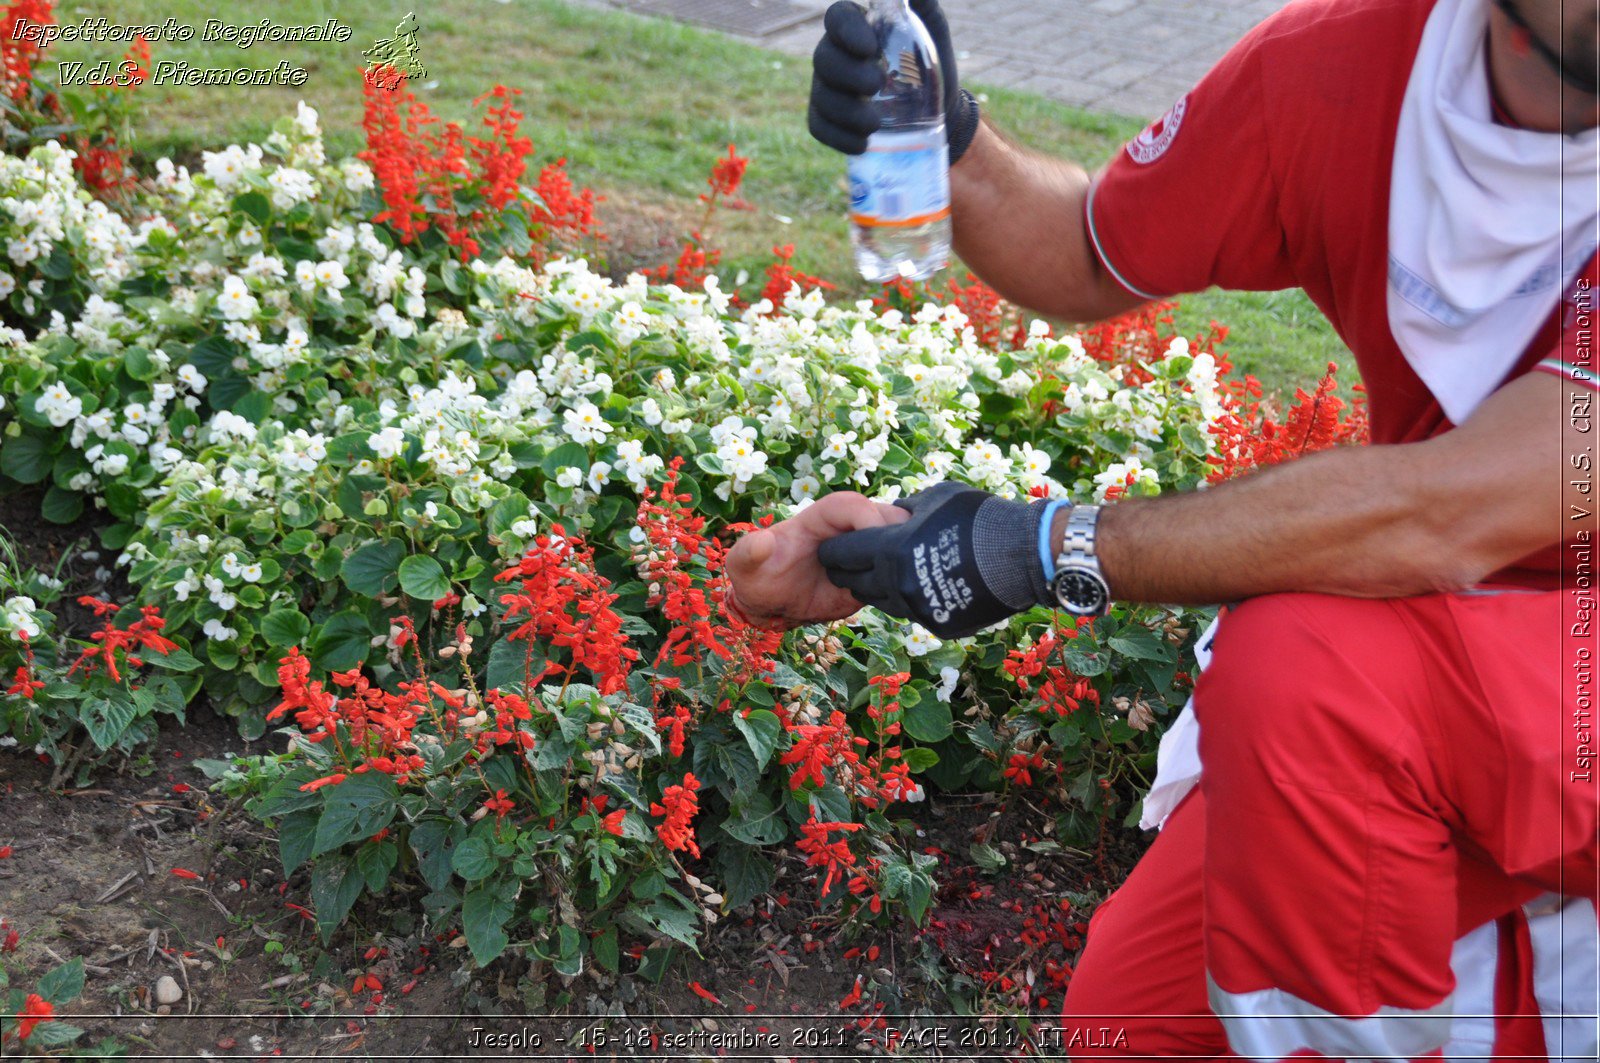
x=965, y=560
x=847, y=70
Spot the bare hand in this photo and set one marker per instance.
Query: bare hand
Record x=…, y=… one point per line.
x=777, y=581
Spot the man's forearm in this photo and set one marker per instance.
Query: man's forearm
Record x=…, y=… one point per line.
x=1372, y=522
x=1018, y=223
x=1359, y=521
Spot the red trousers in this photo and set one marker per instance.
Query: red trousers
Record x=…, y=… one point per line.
x=1392, y=852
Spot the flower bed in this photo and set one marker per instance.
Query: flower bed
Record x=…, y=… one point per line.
x=455, y=505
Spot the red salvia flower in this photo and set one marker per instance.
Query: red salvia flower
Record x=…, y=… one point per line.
x=23, y=684
x=499, y=804
x=704, y=993
x=781, y=276
x=17, y=56
x=35, y=1009
x=834, y=856
x=679, y=805
x=563, y=602
x=1249, y=437
x=852, y=998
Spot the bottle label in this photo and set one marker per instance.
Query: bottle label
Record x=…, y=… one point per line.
x=901, y=180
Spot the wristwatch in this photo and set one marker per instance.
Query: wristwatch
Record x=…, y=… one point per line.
x=1078, y=584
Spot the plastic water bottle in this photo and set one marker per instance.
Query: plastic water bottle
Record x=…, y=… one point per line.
x=900, y=187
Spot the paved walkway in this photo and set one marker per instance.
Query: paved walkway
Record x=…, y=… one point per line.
x=1128, y=57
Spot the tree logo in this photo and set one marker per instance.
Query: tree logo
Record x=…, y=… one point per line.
x=394, y=59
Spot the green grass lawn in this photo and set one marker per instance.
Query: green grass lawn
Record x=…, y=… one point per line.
x=640, y=108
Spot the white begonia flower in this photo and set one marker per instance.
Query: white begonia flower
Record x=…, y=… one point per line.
x=291, y=186
x=60, y=406
x=630, y=323
x=584, y=424
x=17, y=616
x=216, y=629
x=358, y=176
x=388, y=443
x=599, y=476
x=192, y=378
x=920, y=641
x=1123, y=474
x=230, y=564
x=568, y=476
x=1033, y=462
x=226, y=168
x=305, y=120
x=805, y=488
x=948, y=677
x=236, y=302
x=838, y=445
x=250, y=573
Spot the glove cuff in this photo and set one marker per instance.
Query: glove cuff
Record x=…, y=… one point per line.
x=1005, y=540
x=961, y=124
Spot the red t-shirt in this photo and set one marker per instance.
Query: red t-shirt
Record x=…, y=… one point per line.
x=1274, y=173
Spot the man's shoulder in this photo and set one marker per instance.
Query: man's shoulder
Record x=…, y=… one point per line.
x=1337, y=46
x=1307, y=23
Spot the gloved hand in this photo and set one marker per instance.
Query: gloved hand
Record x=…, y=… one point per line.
x=847, y=70
x=965, y=560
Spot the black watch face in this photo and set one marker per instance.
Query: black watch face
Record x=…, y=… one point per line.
x=1080, y=592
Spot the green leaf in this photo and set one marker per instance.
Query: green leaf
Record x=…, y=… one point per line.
x=830, y=804
x=105, y=718
x=746, y=874
x=285, y=627
x=762, y=730
x=673, y=920
x=909, y=883
x=575, y=455
x=254, y=406
x=606, y=952
x=474, y=858
x=297, y=834
x=755, y=821
x=61, y=506
x=569, y=957
x=929, y=720
x=58, y=267
x=654, y=964
x=374, y=568
x=53, y=1034
x=253, y=204
x=335, y=885
x=434, y=842
x=63, y=984
x=355, y=809
x=26, y=458
x=919, y=758
x=1141, y=643
x=986, y=856
x=376, y=861
x=342, y=643
x=174, y=660
x=136, y=360
x=423, y=578
x=484, y=912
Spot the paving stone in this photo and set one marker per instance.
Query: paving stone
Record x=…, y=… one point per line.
x=1127, y=57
